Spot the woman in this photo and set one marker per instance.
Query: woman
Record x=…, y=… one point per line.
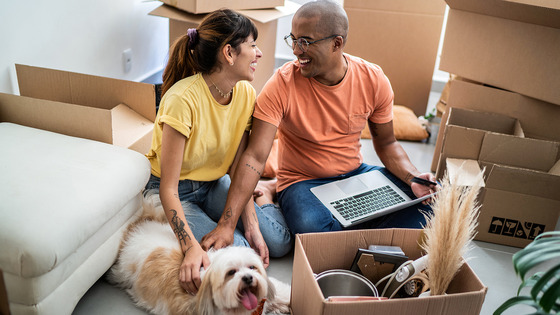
x=200, y=130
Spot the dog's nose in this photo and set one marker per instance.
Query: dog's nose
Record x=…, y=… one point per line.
x=248, y=279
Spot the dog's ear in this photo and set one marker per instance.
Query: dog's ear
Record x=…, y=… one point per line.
x=204, y=300
x=271, y=290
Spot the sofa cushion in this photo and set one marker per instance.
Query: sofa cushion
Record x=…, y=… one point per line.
x=57, y=193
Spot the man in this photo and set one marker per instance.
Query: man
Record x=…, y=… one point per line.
x=319, y=105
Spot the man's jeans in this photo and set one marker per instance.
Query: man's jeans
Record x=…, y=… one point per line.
x=304, y=213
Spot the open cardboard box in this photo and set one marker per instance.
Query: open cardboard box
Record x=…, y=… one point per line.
x=465, y=131
x=205, y=6
x=403, y=40
x=539, y=119
x=511, y=44
x=518, y=203
x=520, y=199
x=266, y=21
x=317, y=252
x=103, y=109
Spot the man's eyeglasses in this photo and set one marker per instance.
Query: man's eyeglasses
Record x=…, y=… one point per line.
x=302, y=42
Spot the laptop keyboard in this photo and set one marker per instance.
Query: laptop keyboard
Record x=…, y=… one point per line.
x=367, y=202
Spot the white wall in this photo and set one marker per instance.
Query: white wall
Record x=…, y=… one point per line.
x=86, y=36
x=89, y=36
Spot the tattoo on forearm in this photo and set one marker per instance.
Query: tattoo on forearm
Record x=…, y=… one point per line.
x=179, y=228
x=253, y=168
x=255, y=217
x=408, y=177
x=176, y=196
x=227, y=214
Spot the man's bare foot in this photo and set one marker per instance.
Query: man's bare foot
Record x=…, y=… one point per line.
x=265, y=192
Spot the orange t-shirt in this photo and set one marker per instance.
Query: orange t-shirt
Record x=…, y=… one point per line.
x=319, y=126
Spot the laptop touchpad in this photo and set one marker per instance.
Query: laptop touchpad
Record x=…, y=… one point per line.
x=351, y=186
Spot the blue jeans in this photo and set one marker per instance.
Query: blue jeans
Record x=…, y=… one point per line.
x=304, y=213
x=204, y=202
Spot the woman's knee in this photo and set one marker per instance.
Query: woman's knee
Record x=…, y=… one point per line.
x=280, y=247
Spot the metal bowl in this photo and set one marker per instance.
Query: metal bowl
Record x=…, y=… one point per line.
x=339, y=282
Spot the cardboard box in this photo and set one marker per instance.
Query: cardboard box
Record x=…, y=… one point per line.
x=539, y=119
x=317, y=252
x=465, y=131
x=265, y=20
x=97, y=108
x=205, y=6
x=518, y=204
x=402, y=37
x=520, y=199
x=508, y=44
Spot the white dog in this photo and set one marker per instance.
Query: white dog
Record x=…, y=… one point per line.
x=235, y=283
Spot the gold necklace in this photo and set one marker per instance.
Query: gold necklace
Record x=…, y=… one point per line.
x=224, y=95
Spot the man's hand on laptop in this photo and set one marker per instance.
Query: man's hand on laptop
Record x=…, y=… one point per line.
x=421, y=188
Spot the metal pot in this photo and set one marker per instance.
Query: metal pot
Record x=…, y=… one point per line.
x=339, y=282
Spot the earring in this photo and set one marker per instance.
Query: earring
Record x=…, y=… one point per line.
x=231, y=63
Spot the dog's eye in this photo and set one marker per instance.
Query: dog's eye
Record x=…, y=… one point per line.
x=252, y=267
x=231, y=272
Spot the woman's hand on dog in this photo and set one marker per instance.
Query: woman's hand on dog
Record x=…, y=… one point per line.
x=189, y=271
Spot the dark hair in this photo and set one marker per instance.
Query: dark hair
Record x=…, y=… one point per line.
x=218, y=29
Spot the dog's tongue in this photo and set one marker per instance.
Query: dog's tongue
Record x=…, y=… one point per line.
x=249, y=300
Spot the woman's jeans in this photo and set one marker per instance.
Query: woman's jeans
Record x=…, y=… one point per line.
x=304, y=213
x=204, y=202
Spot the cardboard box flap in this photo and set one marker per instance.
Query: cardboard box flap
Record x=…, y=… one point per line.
x=524, y=181
x=555, y=169
x=87, y=90
x=32, y=112
x=128, y=126
x=262, y=16
x=463, y=172
x=418, y=7
x=528, y=111
x=519, y=152
x=540, y=12
x=483, y=121
x=305, y=277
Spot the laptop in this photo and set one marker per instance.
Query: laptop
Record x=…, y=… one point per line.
x=363, y=197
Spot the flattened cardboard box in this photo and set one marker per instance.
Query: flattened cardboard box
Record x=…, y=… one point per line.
x=508, y=44
x=103, y=109
x=402, y=37
x=317, y=252
x=205, y=6
x=539, y=119
x=266, y=21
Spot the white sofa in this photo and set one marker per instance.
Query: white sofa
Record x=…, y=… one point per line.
x=64, y=203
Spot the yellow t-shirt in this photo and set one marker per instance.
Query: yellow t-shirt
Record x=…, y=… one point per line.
x=213, y=131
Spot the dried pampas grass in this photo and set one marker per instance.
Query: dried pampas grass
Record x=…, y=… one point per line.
x=449, y=230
